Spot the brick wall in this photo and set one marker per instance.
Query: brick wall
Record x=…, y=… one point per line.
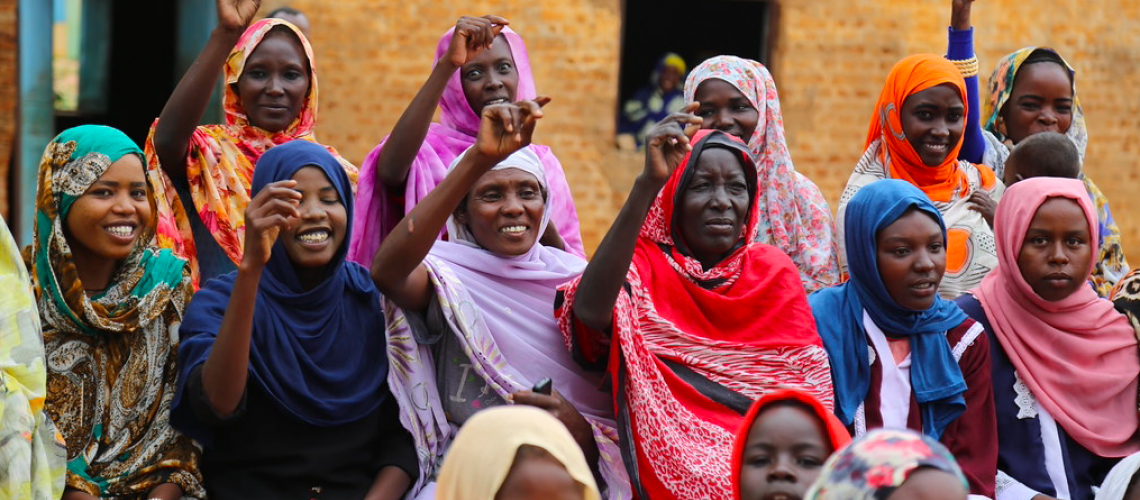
x=9, y=94
x=830, y=61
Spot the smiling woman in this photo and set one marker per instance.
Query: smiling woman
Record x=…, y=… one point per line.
x=201, y=175
x=915, y=135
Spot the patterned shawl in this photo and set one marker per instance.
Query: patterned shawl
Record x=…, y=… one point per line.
x=378, y=211
x=220, y=160
x=794, y=215
x=110, y=358
x=31, y=448
x=875, y=465
x=691, y=348
x=889, y=155
x=1111, y=264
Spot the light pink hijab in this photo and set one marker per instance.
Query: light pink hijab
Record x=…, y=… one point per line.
x=376, y=214
x=1077, y=355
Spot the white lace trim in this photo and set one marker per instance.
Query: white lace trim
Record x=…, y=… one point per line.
x=861, y=419
x=967, y=340
x=1026, y=403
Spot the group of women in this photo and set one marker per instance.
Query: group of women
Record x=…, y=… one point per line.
x=236, y=311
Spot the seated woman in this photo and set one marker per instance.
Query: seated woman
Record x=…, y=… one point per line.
x=30, y=449
x=1032, y=90
x=915, y=135
x=283, y=367
x=658, y=99
x=201, y=174
x=901, y=356
x=738, y=97
x=479, y=62
x=689, y=318
x=109, y=307
x=891, y=465
x=471, y=319
x=782, y=444
x=515, y=452
x=1065, y=368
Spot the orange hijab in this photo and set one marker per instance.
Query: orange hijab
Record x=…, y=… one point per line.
x=911, y=75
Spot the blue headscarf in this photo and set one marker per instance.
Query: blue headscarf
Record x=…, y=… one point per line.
x=321, y=353
x=934, y=374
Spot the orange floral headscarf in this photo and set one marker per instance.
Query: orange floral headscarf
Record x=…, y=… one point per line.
x=911, y=75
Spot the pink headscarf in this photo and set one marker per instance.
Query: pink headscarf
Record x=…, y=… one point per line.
x=1077, y=355
x=794, y=216
x=375, y=214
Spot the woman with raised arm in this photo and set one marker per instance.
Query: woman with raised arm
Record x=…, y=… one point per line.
x=283, y=375
x=110, y=305
x=201, y=175
x=479, y=62
x=471, y=319
x=1031, y=90
x=689, y=317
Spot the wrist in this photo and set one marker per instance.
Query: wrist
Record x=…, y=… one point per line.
x=228, y=33
x=645, y=183
x=250, y=268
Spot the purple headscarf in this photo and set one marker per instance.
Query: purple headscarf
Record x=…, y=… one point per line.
x=376, y=216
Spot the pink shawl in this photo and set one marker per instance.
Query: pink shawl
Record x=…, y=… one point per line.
x=376, y=212
x=1077, y=355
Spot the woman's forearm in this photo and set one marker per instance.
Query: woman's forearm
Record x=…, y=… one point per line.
x=395, y=159
x=226, y=369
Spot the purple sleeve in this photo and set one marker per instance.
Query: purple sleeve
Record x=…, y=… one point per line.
x=974, y=143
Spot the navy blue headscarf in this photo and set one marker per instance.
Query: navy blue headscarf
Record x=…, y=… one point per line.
x=934, y=374
x=321, y=353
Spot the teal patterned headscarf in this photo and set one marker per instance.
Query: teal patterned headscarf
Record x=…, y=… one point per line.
x=72, y=162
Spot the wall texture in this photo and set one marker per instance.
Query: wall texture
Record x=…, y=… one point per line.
x=830, y=59
x=9, y=94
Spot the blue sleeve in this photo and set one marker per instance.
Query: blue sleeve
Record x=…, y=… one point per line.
x=974, y=146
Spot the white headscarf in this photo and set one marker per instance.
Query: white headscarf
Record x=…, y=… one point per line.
x=1116, y=483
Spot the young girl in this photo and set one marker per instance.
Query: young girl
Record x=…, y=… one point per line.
x=738, y=96
x=283, y=374
x=1031, y=90
x=915, y=135
x=688, y=316
x=471, y=319
x=891, y=465
x=201, y=174
x=782, y=444
x=515, y=453
x=1065, y=368
x=901, y=356
x=110, y=306
x=479, y=62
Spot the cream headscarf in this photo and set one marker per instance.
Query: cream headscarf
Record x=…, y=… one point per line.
x=484, y=451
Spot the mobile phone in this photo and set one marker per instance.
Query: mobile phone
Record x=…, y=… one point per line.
x=543, y=386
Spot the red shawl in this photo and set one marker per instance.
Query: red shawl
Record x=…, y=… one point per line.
x=743, y=325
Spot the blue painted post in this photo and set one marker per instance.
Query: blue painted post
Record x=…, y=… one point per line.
x=37, y=110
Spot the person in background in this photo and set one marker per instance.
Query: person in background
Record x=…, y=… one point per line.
x=661, y=97
x=1031, y=90
x=294, y=16
x=31, y=448
x=110, y=305
x=915, y=135
x=902, y=356
x=201, y=175
x=782, y=444
x=890, y=465
x=478, y=63
x=1047, y=154
x=515, y=453
x=1065, y=367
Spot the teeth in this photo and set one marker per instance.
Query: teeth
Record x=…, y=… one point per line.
x=513, y=229
x=936, y=147
x=123, y=231
x=317, y=236
x=496, y=101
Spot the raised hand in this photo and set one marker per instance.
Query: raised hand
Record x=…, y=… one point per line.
x=235, y=15
x=506, y=128
x=686, y=117
x=960, y=14
x=273, y=209
x=472, y=36
x=665, y=146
